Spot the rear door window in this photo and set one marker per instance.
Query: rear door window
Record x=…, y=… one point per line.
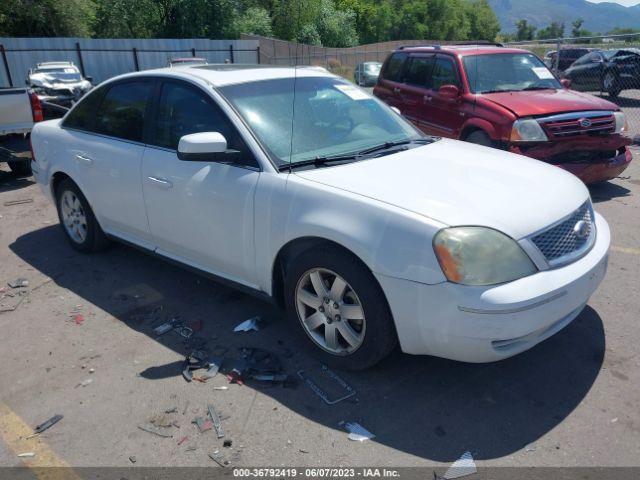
x=123, y=108
x=393, y=69
x=418, y=71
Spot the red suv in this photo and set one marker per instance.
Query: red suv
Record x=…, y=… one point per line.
x=506, y=98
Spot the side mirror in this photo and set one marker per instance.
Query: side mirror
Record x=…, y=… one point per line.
x=89, y=78
x=566, y=83
x=203, y=147
x=397, y=110
x=450, y=92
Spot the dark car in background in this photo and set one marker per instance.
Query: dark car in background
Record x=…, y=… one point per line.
x=610, y=71
x=366, y=73
x=567, y=57
x=508, y=99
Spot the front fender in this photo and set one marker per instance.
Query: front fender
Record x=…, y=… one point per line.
x=389, y=240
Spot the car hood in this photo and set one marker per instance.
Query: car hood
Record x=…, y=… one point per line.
x=51, y=81
x=546, y=102
x=458, y=183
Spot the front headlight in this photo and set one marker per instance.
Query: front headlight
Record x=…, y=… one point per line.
x=480, y=256
x=527, y=130
x=621, y=122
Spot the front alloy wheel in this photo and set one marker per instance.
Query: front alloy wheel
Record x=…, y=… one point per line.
x=330, y=311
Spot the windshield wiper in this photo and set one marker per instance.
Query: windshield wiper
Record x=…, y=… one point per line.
x=397, y=143
x=538, y=87
x=323, y=161
x=499, y=90
x=318, y=161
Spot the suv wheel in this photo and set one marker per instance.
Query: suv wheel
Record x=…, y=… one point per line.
x=480, y=138
x=77, y=219
x=338, y=304
x=22, y=168
x=611, y=84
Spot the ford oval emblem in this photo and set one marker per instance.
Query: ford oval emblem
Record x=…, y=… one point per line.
x=584, y=122
x=581, y=229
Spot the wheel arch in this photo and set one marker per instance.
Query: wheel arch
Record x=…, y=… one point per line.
x=290, y=250
x=475, y=125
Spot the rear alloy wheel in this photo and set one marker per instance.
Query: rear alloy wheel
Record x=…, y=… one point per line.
x=77, y=219
x=339, y=305
x=610, y=84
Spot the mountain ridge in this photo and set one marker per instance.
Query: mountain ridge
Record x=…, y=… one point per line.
x=598, y=17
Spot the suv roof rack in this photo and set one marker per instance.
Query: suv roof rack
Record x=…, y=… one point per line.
x=479, y=43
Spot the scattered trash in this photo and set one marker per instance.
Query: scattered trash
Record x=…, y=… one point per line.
x=221, y=388
x=19, y=283
x=357, y=432
x=27, y=455
x=227, y=443
x=216, y=421
x=165, y=327
x=203, y=424
x=349, y=391
x=254, y=323
x=302, y=450
x=92, y=370
x=79, y=319
x=530, y=448
x=156, y=431
x=182, y=440
x=171, y=410
x=85, y=383
x=161, y=420
x=219, y=458
x=460, y=468
x=196, y=360
x=614, y=420
x=46, y=425
x=18, y=202
x=133, y=459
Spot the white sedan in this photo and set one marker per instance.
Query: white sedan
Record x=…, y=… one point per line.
x=302, y=188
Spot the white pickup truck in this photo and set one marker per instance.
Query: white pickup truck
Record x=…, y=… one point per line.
x=20, y=109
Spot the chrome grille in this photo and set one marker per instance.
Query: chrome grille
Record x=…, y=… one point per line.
x=561, y=243
x=570, y=125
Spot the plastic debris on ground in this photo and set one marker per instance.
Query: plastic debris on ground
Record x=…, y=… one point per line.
x=85, y=383
x=254, y=323
x=216, y=421
x=27, y=455
x=357, y=432
x=19, y=283
x=327, y=380
x=258, y=364
x=156, y=431
x=203, y=424
x=18, y=202
x=219, y=458
x=460, y=468
x=46, y=425
x=133, y=459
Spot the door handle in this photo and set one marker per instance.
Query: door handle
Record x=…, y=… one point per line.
x=84, y=159
x=160, y=182
x=396, y=90
x=427, y=98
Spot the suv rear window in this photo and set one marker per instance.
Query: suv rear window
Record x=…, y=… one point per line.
x=393, y=69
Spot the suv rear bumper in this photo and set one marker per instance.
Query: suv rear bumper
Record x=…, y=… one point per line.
x=611, y=156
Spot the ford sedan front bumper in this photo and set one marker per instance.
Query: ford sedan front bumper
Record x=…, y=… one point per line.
x=486, y=324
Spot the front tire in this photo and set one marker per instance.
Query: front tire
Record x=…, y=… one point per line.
x=339, y=305
x=611, y=84
x=480, y=138
x=77, y=219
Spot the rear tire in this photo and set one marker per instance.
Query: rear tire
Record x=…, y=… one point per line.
x=77, y=219
x=22, y=169
x=349, y=322
x=480, y=138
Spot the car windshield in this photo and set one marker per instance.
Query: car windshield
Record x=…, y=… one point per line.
x=373, y=68
x=507, y=72
x=307, y=118
x=70, y=74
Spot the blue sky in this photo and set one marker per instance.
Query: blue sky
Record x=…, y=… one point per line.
x=627, y=3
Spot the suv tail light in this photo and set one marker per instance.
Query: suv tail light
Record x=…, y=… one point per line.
x=36, y=107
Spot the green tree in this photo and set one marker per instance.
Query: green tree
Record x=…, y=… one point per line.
x=554, y=30
x=254, y=20
x=524, y=31
x=483, y=23
x=577, y=30
x=126, y=19
x=337, y=28
x=46, y=18
x=309, y=35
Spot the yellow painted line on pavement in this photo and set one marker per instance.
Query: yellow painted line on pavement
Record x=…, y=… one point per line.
x=632, y=251
x=14, y=432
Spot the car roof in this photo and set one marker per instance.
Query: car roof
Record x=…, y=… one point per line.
x=54, y=64
x=462, y=50
x=220, y=75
